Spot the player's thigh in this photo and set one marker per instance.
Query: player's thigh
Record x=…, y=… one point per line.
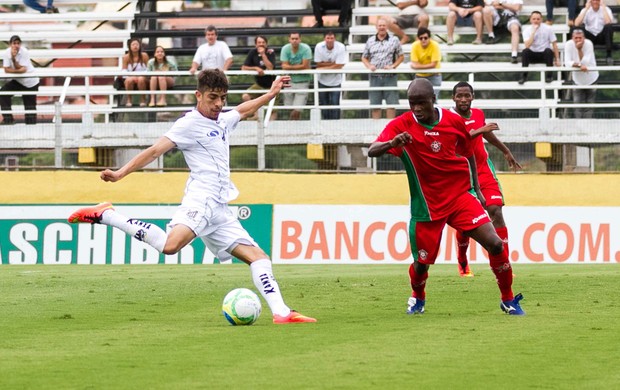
x=178, y=237
x=425, y=238
x=467, y=214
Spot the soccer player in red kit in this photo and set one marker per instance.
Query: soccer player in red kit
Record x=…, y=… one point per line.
x=463, y=95
x=436, y=150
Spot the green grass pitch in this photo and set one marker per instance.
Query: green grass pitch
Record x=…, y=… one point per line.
x=160, y=327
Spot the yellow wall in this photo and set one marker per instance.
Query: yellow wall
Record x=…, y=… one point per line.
x=282, y=188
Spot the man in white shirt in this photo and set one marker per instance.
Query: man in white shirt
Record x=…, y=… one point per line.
x=411, y=15
x=16, y=60
x=213, y=54
x=330, y=54
x=541, y=46
x=596, y=19
x=203, y=135
x=579, y=54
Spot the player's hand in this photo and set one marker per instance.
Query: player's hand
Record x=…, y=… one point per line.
x=109, y=175
x=512, y=162
x=401, y=140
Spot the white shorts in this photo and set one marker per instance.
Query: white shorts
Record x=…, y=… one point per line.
x=215, y=223
x=296, y=99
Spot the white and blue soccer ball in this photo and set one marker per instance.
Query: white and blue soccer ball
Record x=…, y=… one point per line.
x=241, y=306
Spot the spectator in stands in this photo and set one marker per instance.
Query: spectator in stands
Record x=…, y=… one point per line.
x=34, y=4
x=135, y=61
x=330, y=54
x=503, y=13
x=579, y=54
x=383, y=52
x=213, y=54
x=320, y=6
x=426, y=54
x=296, y=55
x=259, y=59
x=465, y=13
x=160, y=63
x=571, y=5
x=17, y=60
x=539, y=39
x=596, y=19
x=411, y=15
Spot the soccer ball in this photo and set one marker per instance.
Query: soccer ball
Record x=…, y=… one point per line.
x=241, y=307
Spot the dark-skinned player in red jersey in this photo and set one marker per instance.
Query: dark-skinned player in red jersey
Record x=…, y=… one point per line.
x=463, y=95
x=436, y=150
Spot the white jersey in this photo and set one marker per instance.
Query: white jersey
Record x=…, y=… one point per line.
x=212, y=56
x=205, y=146
x=22, y=58
x=338, y=55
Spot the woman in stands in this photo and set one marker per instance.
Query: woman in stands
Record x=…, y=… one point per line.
x=135, y=61
x=160, y=63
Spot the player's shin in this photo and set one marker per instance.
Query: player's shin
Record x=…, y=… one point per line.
x=503, y=274
x=266, y=283
x=140, y=230
x=418, y=282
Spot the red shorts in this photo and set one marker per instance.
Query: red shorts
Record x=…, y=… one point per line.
x=490, y=190
x=425, y=237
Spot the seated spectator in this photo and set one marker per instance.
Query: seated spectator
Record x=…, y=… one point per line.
x=426, y=54
x=320, y=6
x=411, y=15
x=539, y=39
x=465, y=13
x=213, y=54
x=596, y=19
x=135, y=61
x=296, y=55
x=571, y=5
x=579, y=54
x=160, y=63
x=16, y=60
x=503, y=13
x=259, y=59
x=50, y=9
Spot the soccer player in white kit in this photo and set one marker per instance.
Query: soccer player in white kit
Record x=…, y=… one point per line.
x=203, y=137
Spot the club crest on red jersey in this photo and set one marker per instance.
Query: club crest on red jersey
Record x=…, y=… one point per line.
x=436, y=146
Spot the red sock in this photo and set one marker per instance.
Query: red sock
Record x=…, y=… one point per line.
x=462, y=244
x=502, y=232
x=503, y=273
x=418, y=283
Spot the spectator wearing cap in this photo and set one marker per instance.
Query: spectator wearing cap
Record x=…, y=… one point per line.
x=50, y=9
x=17, y=60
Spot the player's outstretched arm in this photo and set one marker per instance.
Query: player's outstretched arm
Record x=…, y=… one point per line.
x=140, y=161
x=489, y=127
x=378, y=149
x=512, y=161
x=248, y=108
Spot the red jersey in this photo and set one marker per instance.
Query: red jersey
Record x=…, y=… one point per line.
x=435, y=162
x=484, y=166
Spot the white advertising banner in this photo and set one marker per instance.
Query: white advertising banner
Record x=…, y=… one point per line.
x=351, y=234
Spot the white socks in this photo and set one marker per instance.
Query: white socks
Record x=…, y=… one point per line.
x=140, y=230
x=262, y=275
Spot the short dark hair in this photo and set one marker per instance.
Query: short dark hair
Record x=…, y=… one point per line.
x=462, y=84
x=213, y=79
x=536, y=12
x=424, y=30
x=264, y=38
x=15, y=38
x=211, y=28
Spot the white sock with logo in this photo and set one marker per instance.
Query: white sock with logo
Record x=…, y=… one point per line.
x=262, y=275
x=143, y=231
